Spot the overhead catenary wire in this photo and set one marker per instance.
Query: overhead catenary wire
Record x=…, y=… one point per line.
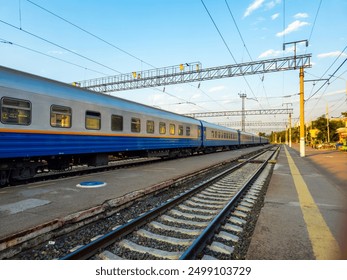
x=238, y=30
x=245, y=46
x=184, y=101
x=68, y=50
x=327, y=81
x=89, y=33
x=226, y=45
x=85, y=31
x=283, y=41
x=59, y=46
x=50, y=56
x=4, y=41
x=315, y=19
x=312, y=29
x=220, y=34
x=92, y=34
x=342, y=52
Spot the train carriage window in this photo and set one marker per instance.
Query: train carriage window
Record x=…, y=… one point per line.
x=188, y=131
x=150, y=127
x=116, y=123
x=180, y=130
x=162, y=128
x=60, y=116
x=15, y=111
x=135, y=125
x=172, y=129
x=93, y=120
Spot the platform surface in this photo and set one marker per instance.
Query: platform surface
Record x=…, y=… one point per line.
x=304, y=214
x=27, y=206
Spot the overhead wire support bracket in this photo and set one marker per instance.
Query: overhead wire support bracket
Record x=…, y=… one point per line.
x=192, y=72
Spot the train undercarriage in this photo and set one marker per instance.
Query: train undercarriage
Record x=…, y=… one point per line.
x=16, y=170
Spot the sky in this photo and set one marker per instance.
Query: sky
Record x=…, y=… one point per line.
x=70, y=40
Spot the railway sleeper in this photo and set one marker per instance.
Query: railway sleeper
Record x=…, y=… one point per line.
x=130, y=248
x=221, y=250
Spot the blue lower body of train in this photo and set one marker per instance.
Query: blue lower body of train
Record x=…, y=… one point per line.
x=26, y=145
x=221, y=143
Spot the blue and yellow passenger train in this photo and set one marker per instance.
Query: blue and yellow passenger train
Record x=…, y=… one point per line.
x=45, y=123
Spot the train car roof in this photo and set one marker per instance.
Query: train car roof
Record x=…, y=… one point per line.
x=40, y=85
x=248, y=133
x=216, y=126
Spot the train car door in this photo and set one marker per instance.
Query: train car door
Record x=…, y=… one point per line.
x=239, y=137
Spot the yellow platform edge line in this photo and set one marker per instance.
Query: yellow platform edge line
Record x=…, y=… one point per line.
x=324, y=245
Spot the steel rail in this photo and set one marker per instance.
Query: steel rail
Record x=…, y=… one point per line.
x=89, y=250
x=207, y=234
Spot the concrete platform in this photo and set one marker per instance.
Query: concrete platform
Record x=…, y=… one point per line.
x=46, y=205
x=304, y=214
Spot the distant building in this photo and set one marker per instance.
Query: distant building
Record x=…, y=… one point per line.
x=342, y=131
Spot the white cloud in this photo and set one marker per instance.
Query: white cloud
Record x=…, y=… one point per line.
x=331, y=54
x=301, y=15
x=274, y=53
x=335, y=92
x=294, y=26
x=274, y=16
x=217, y=88
x=158, y=98
x=196, y=96
x=252, y=7
x=272, y=4
x=269, y=53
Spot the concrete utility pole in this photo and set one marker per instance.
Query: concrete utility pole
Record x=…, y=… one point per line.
x=302, y=99
x=286, y=136
x=289, y=143
x=290, y=129
x=302, y=113
x=328, y=129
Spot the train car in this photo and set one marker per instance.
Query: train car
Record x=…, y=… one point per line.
x=45, y=122
x=247, y=139
x=217, y=137
x=263, y=140
x=53, y=125
x=256, y=139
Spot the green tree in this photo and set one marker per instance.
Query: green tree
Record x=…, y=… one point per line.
x=321, y=124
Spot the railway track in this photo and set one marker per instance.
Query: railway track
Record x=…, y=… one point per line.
x=208, y=221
